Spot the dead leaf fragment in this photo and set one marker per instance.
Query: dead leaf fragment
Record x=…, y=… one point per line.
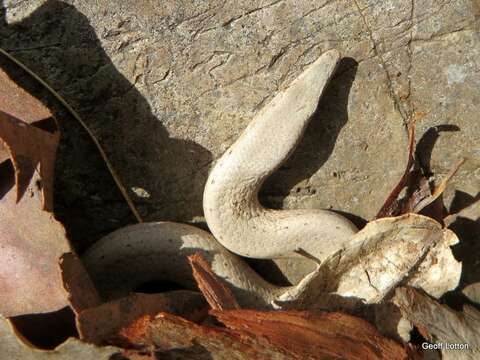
x=439, y=271
x=439, y=189
x=215, y=291
x=31, y=240
x=440, y=324
x=102, y=324
x=19, y=104
x=416, y=180
x=13, y=347
x=30, y=149
x=82, y=294
x=391, y=204
x=411, y=249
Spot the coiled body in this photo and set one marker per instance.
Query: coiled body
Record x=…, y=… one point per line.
x=129, y=257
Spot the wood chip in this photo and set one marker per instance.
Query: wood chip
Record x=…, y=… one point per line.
x=214, y=289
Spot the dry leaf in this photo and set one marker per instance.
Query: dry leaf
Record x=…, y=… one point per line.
x=419, y=195
x=32, y=241
x=216, y=292
x=387, y=252
x=439, y=189
x=18, y=103
x=391, y=206
x=77, y=282
x=13, y=347
x=101, y=325
x=440, y=324
x=419, y=189
x=31, y=150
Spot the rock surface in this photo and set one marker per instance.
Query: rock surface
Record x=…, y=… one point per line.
x=167, y=86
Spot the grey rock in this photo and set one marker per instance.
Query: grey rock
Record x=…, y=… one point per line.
x=167, y=86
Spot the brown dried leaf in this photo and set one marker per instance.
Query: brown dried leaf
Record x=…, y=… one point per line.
x=18, y=103
x=102, y=324
x=412, y=249
x=440, y=324
x=315, y=335
x=419, y=190
x=216, y=292
x=419, y=195
x=14, y=347
x=31, y=150
x=82, y=294
x=32, y=240
x=391, y=205
x=439, y=189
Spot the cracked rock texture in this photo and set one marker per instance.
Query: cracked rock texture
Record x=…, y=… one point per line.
x=167, y=86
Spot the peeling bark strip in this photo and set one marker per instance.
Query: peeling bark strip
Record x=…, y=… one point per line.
x=231, y=206
x=102, y=324
x=218, y=295
x=254, y=334
x=315, y=335
x=18, y=103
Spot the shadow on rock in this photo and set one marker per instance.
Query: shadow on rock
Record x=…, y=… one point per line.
x=312, y=152
x=318, y=142
x=57, y=42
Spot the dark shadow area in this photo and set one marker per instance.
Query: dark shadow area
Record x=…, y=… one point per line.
x=467, y=227
x=268, y=270
x=155, y=287
x=195, y=351
x=463, y=200
x=318, y=141
x=49, y=330
x=356, y=220
x=468, y=250
x=425, y=145
x=7, y=180
x=58, y=43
